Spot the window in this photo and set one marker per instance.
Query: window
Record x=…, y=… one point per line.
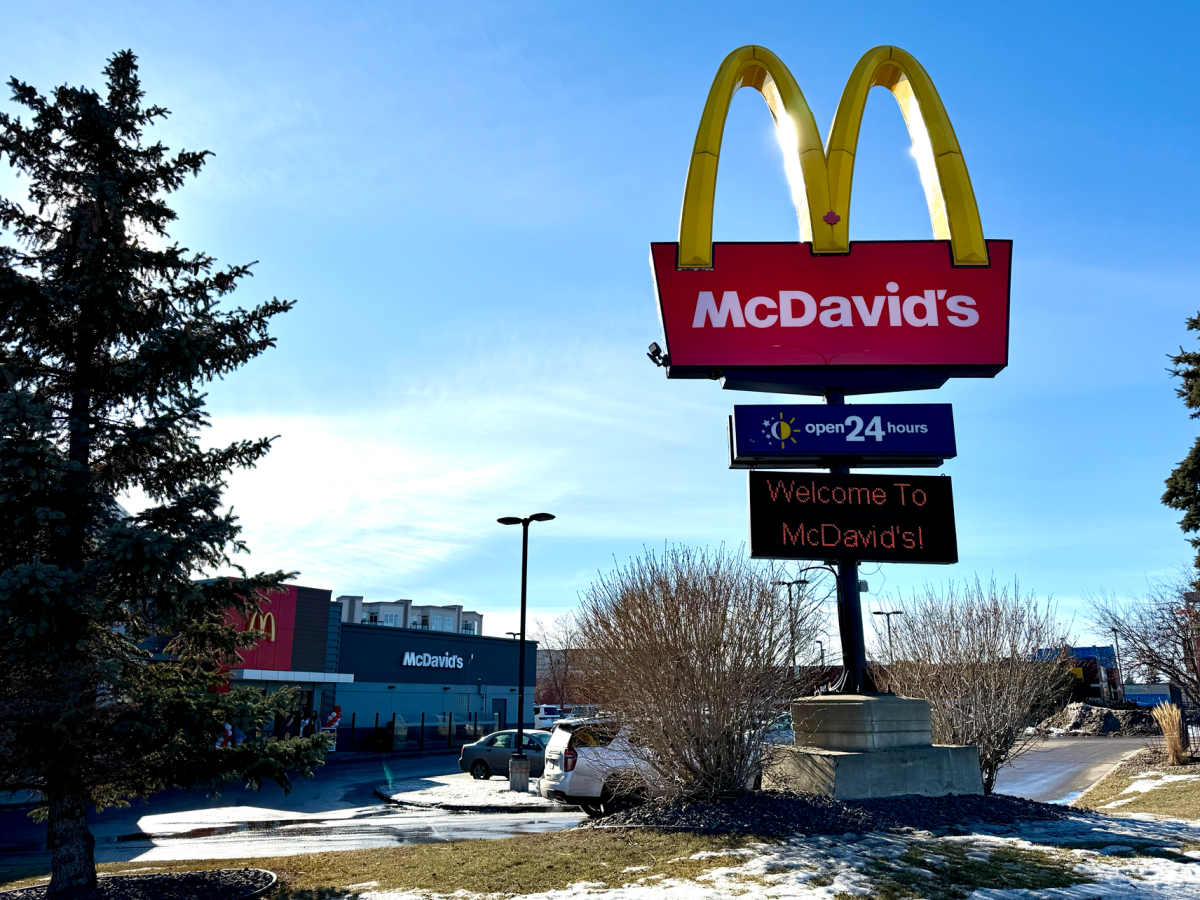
x=468, y=627
x=435, y=622
x=392, y=620
x=502, y=741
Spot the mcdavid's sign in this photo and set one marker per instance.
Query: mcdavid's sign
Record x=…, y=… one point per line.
x=823, y=311
x=431, y=660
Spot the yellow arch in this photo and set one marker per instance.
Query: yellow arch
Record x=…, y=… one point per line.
x=824, y=176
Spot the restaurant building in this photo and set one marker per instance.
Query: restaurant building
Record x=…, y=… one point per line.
x=387, y=670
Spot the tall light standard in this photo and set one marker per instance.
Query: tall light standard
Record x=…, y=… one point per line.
x=522, y=775
x=821, y=647
x=1120, y=671
x=897, y=612
x=791, y=619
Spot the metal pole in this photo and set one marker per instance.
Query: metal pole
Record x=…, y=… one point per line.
x=855, y=678
x=520, y=751
x=421, y=739
x=449, y=729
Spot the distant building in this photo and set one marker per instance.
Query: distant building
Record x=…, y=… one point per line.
x=1095, y=669
x=1153, y=694
x=406, y=614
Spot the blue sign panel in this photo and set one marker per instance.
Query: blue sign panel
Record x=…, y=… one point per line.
x=862, y=435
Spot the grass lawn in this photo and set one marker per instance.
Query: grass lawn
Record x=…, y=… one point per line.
x=1144, y=784
x=517, y=865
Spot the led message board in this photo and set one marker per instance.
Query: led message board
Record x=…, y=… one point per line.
x=860, y=435
x=866, y=518
x=822, y=312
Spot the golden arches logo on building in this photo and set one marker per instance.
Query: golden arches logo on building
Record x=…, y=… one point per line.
x=821, y=176
x=264, y=622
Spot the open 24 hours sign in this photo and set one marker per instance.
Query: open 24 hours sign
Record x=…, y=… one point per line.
x=868, y=518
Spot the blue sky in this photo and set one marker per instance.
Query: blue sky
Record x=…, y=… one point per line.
x=461, y=196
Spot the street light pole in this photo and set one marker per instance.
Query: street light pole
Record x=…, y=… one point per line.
x=821, y=646
x=791, y=620
x=519, y=749
x=896, y=612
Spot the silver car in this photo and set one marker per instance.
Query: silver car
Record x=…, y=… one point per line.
x=490, y=754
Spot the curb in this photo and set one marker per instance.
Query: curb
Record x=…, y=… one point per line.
x=1089, y=788
x=550, y=806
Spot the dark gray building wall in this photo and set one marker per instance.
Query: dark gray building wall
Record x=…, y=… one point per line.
x=333, y=637
x=312, y=629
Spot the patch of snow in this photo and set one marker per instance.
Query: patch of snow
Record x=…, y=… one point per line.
x=844, y=867
x=1144, y=785
x=461, y=791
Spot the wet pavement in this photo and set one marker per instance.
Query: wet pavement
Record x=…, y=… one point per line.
x=336, y=810
x=1062, y=768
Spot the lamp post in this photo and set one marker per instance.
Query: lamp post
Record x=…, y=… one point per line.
x=513, y=634
x=520, y=778
x=896, y=612
x=1120, y=671
x=821, y=647
x=791, y=620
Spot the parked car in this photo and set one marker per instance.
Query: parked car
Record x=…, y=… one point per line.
x=490, y=754
x=591, y=764
x=544, y=716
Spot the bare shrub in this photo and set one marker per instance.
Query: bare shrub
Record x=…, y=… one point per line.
x=1170, y=722
x=690, y=652
x=1157, y=631
x=972, y=651
x=560, y=669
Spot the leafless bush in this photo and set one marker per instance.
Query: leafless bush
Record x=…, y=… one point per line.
x=690, y=651
x=1156, y=631
x=560, y=669
x=1170, y=721
x=973, y=653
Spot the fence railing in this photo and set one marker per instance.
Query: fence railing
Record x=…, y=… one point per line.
x=390, y=733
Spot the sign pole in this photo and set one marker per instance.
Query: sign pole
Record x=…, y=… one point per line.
x=855, y=679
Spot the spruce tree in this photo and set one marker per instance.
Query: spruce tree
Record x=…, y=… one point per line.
x=1183, y=484
x=110, y=332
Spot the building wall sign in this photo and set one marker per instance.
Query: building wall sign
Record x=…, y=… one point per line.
x=798, y=317
x=264, y=622
x=432, y=660
x=868, y=518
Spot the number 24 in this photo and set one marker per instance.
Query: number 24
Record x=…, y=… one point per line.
x=874, y=429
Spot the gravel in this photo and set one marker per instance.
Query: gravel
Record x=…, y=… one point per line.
x=214, y=884
x=774, y=813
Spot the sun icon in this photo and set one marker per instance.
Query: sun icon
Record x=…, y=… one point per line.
x=780, y=430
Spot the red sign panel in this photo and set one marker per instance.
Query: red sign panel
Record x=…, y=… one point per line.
x=885, y=304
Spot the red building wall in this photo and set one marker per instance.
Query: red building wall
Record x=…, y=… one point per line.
x=274, y=655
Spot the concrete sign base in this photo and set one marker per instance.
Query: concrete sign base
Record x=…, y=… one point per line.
x=857, y=746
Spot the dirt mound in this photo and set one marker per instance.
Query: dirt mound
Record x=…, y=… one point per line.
x=1084, y=719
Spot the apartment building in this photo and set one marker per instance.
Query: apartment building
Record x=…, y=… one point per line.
x=408, y=614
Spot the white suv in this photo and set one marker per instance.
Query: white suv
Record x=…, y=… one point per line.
x=544, y=716
x=590, y=764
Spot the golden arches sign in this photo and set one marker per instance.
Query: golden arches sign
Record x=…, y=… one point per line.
x=264, y=622
x=821, y=177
